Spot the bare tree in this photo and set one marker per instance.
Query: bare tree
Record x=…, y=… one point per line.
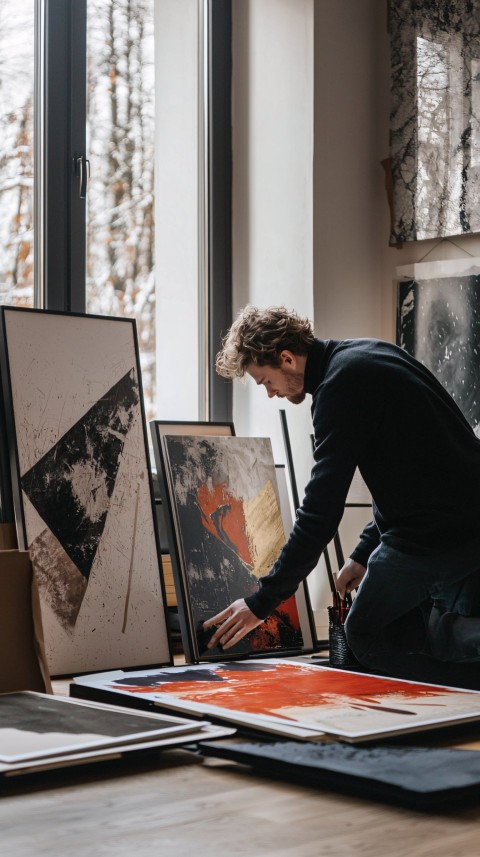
x=120, y=263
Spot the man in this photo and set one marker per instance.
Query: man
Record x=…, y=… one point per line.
x=374, y=407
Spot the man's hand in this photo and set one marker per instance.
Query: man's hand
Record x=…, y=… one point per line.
x=233, y=623
x=349, y=577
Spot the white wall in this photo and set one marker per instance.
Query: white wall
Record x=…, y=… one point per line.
x=354, y=268
x=176, y=208
x=273, y=76
x=273, y=188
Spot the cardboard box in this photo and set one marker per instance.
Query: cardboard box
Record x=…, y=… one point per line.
x=23, y=664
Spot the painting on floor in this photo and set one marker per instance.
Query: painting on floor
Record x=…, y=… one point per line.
x=36, y=725
x=438, y=322
x=281, y=695
x=82, y=488
x=228, y=532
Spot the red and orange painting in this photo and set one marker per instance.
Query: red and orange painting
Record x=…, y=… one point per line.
x=229, y=528
x=348, y=704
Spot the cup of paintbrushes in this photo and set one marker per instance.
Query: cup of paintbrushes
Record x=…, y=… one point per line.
x=341, y=654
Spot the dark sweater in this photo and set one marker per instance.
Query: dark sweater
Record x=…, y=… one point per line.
x=377, y=408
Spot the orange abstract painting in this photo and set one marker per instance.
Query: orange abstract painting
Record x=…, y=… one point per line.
x=229, y=531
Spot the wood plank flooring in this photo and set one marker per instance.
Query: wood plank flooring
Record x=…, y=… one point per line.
x=178, y=805
x=175, y=804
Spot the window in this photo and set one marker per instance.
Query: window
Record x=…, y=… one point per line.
x=17, y=41
x=81, y=125
x=120, y=258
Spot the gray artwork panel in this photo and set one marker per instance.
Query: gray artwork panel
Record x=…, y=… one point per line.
x=435, y=118
x=438, y=322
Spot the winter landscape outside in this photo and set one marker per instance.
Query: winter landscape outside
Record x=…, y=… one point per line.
x=120, y=148
x=16, y=151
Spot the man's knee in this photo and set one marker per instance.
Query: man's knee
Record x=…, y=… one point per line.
x=359, y=639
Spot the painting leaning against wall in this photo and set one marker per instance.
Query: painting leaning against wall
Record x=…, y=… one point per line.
x=229, y=532
x=438, y=322
x=82, y=492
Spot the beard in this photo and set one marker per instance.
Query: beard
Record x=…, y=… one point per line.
x=294, y=390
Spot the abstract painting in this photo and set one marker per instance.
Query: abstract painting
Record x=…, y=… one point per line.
x=427, y=778
x=318, y=700
x=438, y=322
x=228, y=532
x=434, y=118
x=160, y=428
x=35, y=725
x=82, y=488
x=39, y=732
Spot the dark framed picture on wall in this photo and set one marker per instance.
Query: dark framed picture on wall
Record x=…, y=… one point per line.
x=226, y=531
x=438, y=322
x=82, y=487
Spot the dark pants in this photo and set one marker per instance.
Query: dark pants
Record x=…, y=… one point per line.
x=409, y=606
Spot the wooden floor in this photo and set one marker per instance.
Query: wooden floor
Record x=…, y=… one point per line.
x=183, y=807
x=179, y=805
x=176, y=804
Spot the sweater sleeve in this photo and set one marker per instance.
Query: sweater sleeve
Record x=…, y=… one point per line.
x=369, y=540
x=338, y=444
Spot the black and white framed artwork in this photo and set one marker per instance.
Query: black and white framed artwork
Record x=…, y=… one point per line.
x=82, y=488
x=438, y=322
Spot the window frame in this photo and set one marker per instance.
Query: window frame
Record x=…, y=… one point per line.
x=60, y=138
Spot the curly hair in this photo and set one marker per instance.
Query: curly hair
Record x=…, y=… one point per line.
x=259, y=336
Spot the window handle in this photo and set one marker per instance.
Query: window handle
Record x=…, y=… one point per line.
x=81, y=166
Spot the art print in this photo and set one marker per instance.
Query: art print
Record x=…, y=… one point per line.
x=82, y=489
x=35, y=725
x=318, y=700
x=438, y=322
x=228, y=531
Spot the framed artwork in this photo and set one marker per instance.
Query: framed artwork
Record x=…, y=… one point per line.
x=183, y=427
x=287, y=697
x=358, y=495
x=434, y=118
x=82, y=489
x=40, y=732
x=226, y=531
x=438, y=322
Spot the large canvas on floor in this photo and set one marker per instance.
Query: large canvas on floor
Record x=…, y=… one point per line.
x=82, y=489
x=228, y=532
x=288, y=697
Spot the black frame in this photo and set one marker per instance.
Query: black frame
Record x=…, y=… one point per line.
x=188, y=641
x=220, y=198
x=318, y=645
x=8, y=403
x=61, y=114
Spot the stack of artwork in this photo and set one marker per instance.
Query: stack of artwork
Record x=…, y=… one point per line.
x=39, y=732
x=82, y=493
x=225, y=523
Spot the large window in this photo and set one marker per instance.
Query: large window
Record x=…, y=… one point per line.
x=16, y=151
x=120, y=270
x=84, y=129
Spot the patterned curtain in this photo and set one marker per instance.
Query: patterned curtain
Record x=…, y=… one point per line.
x=435, y=118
